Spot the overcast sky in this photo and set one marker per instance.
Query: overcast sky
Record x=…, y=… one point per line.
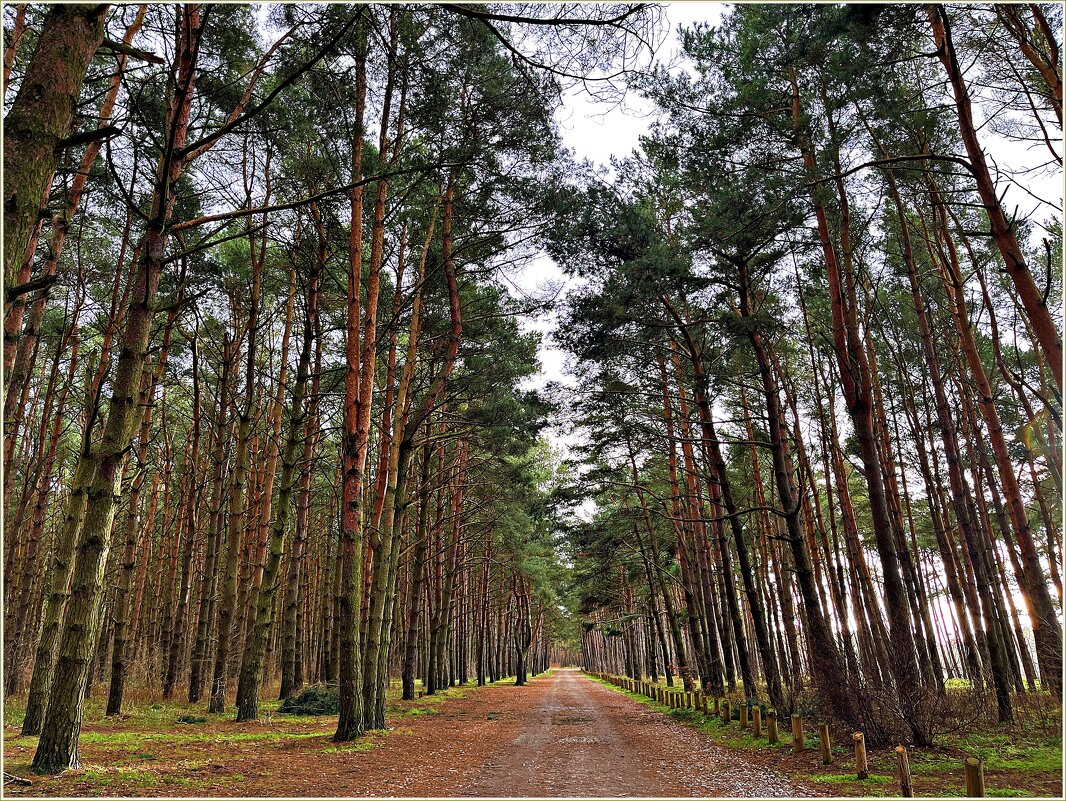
x=598, y=132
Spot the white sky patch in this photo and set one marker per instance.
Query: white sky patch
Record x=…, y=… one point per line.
x=596, y=131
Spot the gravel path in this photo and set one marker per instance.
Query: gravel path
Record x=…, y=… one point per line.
x=581, y=739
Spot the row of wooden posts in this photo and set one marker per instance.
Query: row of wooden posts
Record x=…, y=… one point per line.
x=751, y=718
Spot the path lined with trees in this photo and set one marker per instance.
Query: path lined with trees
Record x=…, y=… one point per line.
x=265, y=412
x=269, y=416
x=820, y=370
x=561, y=735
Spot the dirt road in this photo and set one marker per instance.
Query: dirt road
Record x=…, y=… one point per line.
x=579, y=738
x=562, y=735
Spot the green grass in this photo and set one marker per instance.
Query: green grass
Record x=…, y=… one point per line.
x=134, y=740
x=102, y=777
x=848, y=778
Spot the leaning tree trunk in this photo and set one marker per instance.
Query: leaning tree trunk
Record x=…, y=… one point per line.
x=40, y=119
x=57, y=748
x=1032, y=300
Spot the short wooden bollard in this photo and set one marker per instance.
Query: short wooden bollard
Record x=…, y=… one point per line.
x=862, y=769
x=717, y=706
x=905, y=790
x=726, y=715
x=743, y=716
x=688, y=700
x=823, y=741
x=975, y=778
x=756, y=722
x=797, y=734
x=771, y=726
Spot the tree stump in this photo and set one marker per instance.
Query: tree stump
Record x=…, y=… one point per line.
x=771, y=726
x=797, y=734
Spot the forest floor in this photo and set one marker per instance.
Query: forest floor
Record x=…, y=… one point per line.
x=561, y=735
x=1022, y=760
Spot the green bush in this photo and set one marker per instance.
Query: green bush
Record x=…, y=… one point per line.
x=318, y=699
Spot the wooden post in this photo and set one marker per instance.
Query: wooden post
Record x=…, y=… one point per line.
x=726, y=715
x=743, y=716
x=771, y=726
x=797, y=734
x=756, y=722
x=861, y=767
x=905, y=790
x=717, y=706
x=823, y=740
x=975, y=778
